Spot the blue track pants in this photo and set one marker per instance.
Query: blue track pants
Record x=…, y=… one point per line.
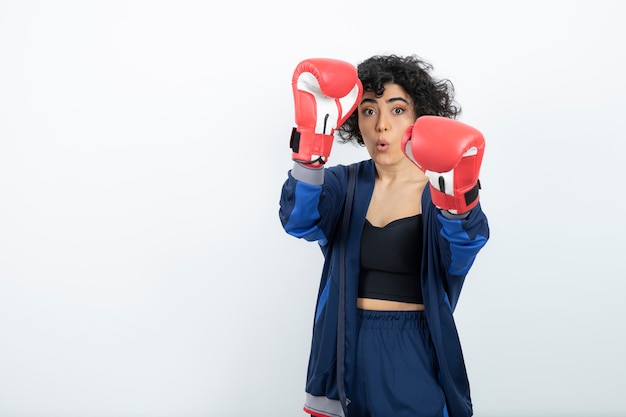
x=396, y=367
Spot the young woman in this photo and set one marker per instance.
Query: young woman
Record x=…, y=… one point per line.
x=384, y=339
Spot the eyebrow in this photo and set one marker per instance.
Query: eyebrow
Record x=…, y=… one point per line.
x=391, y=100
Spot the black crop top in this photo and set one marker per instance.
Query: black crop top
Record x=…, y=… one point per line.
x=391, y=258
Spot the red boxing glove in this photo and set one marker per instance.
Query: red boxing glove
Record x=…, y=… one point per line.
x=325, y=91
x=450, y=154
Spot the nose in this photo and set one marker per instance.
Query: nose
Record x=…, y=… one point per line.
x=382, y=124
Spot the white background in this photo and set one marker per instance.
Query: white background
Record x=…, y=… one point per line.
x=143, y=145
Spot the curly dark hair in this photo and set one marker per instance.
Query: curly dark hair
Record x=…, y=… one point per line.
x=430, y=96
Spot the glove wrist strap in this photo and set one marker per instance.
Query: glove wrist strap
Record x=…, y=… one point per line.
x=459, y=203
x=310, y=147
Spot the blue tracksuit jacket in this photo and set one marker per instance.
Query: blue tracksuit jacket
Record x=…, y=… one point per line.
x=311, y=206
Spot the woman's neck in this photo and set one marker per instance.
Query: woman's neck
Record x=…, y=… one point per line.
x=403, y=173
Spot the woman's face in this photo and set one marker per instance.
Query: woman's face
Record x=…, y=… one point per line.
x=382, y=122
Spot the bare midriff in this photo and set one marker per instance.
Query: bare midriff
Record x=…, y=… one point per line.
x=386, y=305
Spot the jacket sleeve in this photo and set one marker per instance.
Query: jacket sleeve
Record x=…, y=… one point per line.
x=460, y=241
x=311, y=201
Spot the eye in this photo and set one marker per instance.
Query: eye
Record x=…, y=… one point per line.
x=368, y=112
x=397, y=110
